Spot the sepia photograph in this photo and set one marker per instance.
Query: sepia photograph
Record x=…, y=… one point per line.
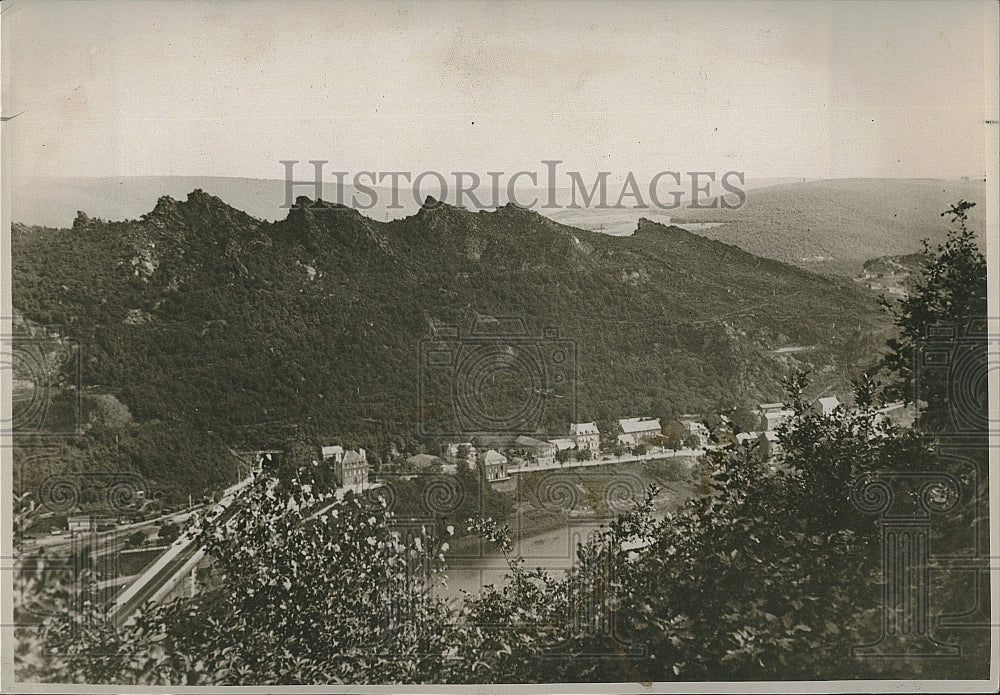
x=539, y=346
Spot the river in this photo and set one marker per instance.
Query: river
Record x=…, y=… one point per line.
x=470, y=569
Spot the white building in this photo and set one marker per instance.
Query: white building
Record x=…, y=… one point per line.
x=352, y=470
x=562, y=444
x=696, y=428
x=495, y=466
x=586, y=436
x=774, y=419
x=642, y=429
x=828, y=404
x=769, y=444
x=333, y=452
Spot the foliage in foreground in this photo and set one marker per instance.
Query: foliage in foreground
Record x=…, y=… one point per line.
x=771, y=573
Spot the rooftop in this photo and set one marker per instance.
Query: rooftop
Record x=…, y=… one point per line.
x=639, y=424
x=531, y=442
x=354, y=457
x=494, y=457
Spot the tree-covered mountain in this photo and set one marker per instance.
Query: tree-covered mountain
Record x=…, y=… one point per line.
x=774, y=570
x=835, y=226
x=200, y=318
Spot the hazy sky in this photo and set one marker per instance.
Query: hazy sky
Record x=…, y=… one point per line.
x=813, y=89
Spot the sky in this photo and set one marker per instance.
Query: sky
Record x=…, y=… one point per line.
x=773, y=89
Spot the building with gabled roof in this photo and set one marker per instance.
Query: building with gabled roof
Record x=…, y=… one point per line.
x=586, y=436
x=495, y=466
x=335, y=452
x=424, y=462
x=775, y=418
x=769, y=444
x=627, y=440
x=642, y=429
x=352, y=470
x=828, y=404
x=537, y=452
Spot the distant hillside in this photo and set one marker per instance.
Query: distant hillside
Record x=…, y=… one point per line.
x=893, y=276
x=54, y=201
x=201, y=318
x=835, y=226
x=830, y=227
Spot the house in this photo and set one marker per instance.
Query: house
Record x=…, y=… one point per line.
x=537, y=452
x=332, y=452
x=352, y=470
x=586, y=436
x=562, y=444
x=769, y=444
x=698, y=429
x=828, y=404
x=902, y=415
x=627, y=440
x=495, y=466
x=774, y=414
x=642, y=429
x=746, y=438
x=777, y=418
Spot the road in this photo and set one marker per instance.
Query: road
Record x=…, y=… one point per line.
x=627, y=458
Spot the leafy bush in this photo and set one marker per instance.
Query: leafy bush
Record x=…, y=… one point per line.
x=770, y=573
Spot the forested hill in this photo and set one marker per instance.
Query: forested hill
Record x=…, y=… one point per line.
x=204, y=317
x=835, y=226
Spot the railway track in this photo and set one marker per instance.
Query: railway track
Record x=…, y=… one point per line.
x=166, y=570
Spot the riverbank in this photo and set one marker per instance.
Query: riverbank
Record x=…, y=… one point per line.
x=555, y=509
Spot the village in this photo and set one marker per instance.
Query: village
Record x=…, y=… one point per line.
x=499, y=458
